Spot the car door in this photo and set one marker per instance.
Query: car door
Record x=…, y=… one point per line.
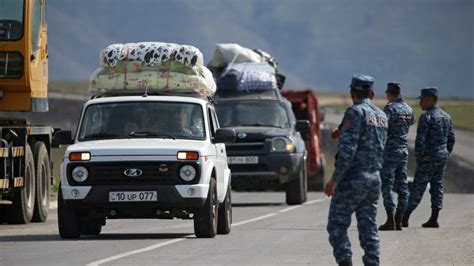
x=221, y=157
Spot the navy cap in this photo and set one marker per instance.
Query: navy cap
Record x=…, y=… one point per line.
x=361, y=82
x=429, y=91
x=393, y=87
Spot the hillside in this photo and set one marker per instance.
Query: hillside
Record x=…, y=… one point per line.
x=317, y=43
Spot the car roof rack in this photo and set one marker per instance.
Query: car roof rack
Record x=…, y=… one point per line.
x=102, y=93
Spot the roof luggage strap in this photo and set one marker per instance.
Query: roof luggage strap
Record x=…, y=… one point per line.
x=125, y=79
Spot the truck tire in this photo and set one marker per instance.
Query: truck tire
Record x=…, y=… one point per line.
x=206, y=218
x=68, y=220
x=224, y=221
x=43, y=183
x=296, y=188
x=21, y=211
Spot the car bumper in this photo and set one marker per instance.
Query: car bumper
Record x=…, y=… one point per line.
x=184, y=197
x=282, y=167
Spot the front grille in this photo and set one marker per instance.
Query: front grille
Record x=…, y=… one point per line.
x=153, y=173
x=247, y=148
x=241, y=168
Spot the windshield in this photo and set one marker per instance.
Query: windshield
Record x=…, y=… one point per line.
x=11, y=20
x=251, y=113
x=142, y=120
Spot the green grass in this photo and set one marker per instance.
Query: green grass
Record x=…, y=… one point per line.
x=462, y=114
x=78, y=87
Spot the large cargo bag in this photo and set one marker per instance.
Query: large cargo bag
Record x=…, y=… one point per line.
x=152, y=66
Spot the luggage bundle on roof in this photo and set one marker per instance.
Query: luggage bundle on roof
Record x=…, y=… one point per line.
x=241, y=70
x=165, y=68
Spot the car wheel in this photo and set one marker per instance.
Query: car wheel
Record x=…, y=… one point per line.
x=91, y=228
x=296, y=188
x=68, y=220
x=224, y=224
x=206, y=218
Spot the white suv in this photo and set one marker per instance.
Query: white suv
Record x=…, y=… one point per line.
x=145, y=157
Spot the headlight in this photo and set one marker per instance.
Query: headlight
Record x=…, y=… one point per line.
x=282, y=144
x=80, y=174
x=187, y=172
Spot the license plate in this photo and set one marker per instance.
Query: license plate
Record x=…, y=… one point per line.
x=124, y=196
x=243, y=160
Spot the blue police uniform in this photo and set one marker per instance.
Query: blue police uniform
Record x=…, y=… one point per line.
x=360, y=151
x=434, y=142
x=395, y=160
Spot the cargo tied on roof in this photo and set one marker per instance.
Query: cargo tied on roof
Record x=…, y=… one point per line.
x=155, y=67
x=243, y=70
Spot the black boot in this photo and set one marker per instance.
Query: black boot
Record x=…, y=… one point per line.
x=433, y=221
x=406, y=217
x=389, y=225
x=345, y=263
x=398, y=220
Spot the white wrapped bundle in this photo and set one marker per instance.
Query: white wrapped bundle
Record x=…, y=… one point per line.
x=150, y=54
x=164, y=82
x=226, y=53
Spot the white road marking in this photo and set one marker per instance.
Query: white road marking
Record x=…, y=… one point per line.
x=255, y=219
x=133, y=252
x=166, y=243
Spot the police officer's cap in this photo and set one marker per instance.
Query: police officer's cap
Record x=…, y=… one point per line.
x=393, y=88
x=428, y=92
x=361, y=82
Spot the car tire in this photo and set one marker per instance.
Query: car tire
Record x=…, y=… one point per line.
x=296, y=188
x=21, y=211
x=206, y=218
x=43, y=183
x=91, y=228
x=68, y=220
x=224, y=221
x=316, y=182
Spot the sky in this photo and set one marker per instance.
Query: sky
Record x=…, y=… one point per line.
x=318, y=44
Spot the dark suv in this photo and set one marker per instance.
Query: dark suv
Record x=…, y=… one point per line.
x=269, y=145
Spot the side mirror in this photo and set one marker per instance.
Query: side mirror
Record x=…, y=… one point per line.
x=224, y=135
x=62, y=137
x=302, y=126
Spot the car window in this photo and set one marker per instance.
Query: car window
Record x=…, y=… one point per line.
x=252, y=113
x=142, y=119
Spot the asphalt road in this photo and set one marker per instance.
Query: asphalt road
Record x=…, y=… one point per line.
x=265, y=231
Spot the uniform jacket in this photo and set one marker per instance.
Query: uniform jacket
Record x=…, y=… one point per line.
x=362, y=140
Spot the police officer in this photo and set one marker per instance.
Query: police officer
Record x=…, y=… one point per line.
x=395, y=158
x=355, y=183
x=434, y=142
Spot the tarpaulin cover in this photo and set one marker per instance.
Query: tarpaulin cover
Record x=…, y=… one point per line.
x=247, y=77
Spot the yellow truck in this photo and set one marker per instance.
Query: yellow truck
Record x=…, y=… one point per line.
x=25, y=168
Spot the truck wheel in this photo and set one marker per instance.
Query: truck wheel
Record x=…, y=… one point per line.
x=68, y=221
x=296, y=189
x=205, y=219
x=224, y=222
x=43, y=183
x=91, y=228
x=21, y=211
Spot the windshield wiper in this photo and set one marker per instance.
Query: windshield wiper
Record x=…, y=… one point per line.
x=105, y=136
x=144, y=134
